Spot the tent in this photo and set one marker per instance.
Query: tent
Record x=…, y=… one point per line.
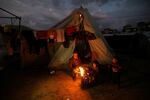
x=80, y=22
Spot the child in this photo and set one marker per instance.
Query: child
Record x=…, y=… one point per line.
x=95, y=70
x=74, y=62
x=115, y=67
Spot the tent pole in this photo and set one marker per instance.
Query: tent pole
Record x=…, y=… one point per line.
x=9, y=13
x=19, y=24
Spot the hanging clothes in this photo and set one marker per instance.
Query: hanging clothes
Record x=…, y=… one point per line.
x=51, y=36
x=70, y=30
x=60, y=35
x=30, y=38
x=42, y=34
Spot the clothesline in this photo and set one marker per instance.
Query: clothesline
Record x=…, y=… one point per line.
x=56, y=34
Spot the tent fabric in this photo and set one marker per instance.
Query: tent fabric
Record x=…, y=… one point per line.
x=99, y=51
x=86, y=21
x=74, y=20
x=62, y=55
x=98, y=46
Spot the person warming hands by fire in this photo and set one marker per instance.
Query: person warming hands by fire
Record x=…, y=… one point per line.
x=74, y=62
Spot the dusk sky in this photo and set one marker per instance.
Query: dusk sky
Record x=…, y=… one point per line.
x=42, y=14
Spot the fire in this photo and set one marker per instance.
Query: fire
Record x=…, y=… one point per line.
x=81, y=71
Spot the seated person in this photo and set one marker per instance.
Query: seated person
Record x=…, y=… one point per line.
x=95, y=70
x=95, y=66
x=74, y=62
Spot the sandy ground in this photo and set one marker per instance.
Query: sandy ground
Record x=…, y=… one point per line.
x=38, y=84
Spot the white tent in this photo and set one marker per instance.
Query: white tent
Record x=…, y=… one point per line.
x=98, y=46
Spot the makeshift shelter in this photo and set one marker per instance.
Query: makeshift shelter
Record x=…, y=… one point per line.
x=80, y=34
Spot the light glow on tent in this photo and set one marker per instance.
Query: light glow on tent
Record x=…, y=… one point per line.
x=80, y=15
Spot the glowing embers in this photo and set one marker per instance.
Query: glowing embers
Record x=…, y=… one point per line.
x=79, y=71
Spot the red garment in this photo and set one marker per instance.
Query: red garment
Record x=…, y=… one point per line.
x=70, y=30
x=52, y=34
x=42, y=34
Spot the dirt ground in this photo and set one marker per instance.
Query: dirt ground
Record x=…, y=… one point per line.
x=38, y=84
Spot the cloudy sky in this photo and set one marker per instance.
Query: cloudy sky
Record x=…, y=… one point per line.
x=42, y=14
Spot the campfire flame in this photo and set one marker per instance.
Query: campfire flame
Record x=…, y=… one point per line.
x=81, y=71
